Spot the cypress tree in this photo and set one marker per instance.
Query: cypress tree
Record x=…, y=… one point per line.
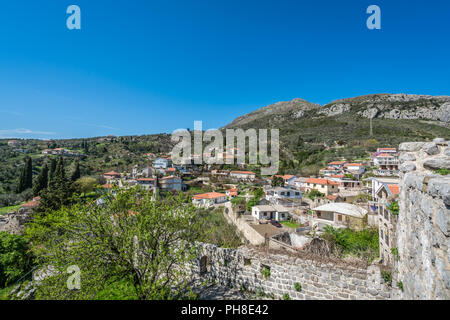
x=76, y=173
x=52, y=170
x=26, y=176
x=41, y=182
x=28, y=173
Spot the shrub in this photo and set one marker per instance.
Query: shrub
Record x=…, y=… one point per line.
x=394, y=252
x=363, y=244
x=443, y=171
x=286, y=297
x=393, y=208
x=265, y=271
x=387, y=276
x=400, y=285
x=298, y=286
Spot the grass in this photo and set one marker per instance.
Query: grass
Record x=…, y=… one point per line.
x=290, y=224
x=5, y=210
x=4, y=293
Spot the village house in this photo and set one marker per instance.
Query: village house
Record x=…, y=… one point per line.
x=13, y=143
x=288, y=179
x=339, y=165
x=277, y=194
x=208, y=199
x=112, y=175
x=243, y=175
x=385, y=190
x=330, y=171
x=147, y=183
x=325, y=186
x=270, y=212
x=171, y=183
x=232, y=193
x=161, y=163
x=355, y=169
x=387, y=164
x=339, y=215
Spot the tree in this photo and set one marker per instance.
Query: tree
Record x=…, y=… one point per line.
x=52, y=170
x=41, y=182
x=76, y=174
x=277, y=181
x=131, y=236
x=85, y=185
x=26, y=176
x=59, y=191
x=15, y=260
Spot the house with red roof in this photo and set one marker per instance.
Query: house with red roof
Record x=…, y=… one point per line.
x=209, y=199
x=243, y=175
x=112, y=175
x=325, y=186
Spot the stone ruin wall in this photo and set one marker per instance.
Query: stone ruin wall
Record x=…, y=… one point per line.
x=423, y=226
x=241, y=268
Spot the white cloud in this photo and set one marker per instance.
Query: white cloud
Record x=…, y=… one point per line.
x=22, y=131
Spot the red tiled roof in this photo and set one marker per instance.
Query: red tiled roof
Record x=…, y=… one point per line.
x=384, y=155
x=112, y=173
x=145, y=179
x=243, y=172
x=337, y=176
x=337, y=162
x=171, y=169
x=321, y=181
x=394, y=188
x=332, y=197
x=354, y=165
x=208, y=195
x=108, y=186
x=168, y=177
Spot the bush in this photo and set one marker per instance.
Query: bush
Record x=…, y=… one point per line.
x=265, y=271
x=15, y=260
x=298, y=286
x=286, y=297
x=387, y=277
x=400, y=285
x=363, y=244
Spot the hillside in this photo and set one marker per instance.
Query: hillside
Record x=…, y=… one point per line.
x=101, y=154
x=312, y=134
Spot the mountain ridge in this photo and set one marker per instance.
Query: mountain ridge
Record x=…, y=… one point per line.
x=380, y=105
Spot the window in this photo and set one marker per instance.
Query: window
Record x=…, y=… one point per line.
x=339, y=217
x=297, y=193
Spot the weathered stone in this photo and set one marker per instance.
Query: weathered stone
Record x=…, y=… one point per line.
x=437, y=163
x=442, y=219
x=447, y=152
x=406, y=156
x=407, y=167
x=410, y=146
x=439, y=140
x=430, y=148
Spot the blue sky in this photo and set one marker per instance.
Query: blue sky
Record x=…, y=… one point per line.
x=141, y=67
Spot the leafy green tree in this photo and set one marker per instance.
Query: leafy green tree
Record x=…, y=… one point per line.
x=76, y=174
x=132, y=236
x=41, y=182
x=15, y=260
x=85, y=185
x=277, y=181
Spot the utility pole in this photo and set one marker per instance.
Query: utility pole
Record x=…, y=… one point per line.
x=371, y=131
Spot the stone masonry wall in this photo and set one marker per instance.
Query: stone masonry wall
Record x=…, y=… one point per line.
x=241, y=268
x=423, y=226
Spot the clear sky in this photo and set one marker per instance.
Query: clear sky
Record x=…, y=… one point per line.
x=141, y=67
